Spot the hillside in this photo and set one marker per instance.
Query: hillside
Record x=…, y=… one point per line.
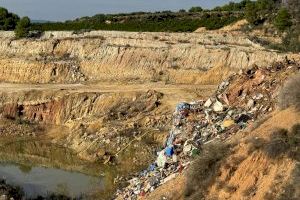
x=230, y=145
x=102, y=103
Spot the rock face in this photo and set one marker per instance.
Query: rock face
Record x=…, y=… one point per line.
x=59, y=107
x=63, y=57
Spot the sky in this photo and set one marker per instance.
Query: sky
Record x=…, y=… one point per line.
x=61, y=10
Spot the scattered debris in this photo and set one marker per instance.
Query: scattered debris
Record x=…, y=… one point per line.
x=237, y=102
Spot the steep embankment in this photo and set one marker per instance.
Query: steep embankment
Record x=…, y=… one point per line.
x=223, y=132
x=248, y=172
x=121, y=121
x=120, y=56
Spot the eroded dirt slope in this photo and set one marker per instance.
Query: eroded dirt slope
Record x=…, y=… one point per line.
x=59, y=57
x=109, y=96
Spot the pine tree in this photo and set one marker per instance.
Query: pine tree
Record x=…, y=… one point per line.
x=283, y=19
x=22, y=28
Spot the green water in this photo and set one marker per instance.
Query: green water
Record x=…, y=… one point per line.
x=36, y=181
x=40, y=167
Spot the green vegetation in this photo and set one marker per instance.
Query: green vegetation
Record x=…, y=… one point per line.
x=163, y=22
x=283, y=20
x=284, y=17
x=196, y=9
x=8, y=21
x=260, y=11
x=232, y=6
x=22, y=28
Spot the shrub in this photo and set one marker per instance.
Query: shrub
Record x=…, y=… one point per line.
x=281, y=143
x=255, y=144
x=252, y=14
x=278, y=144
x=195, y=9
x=232, y=6
x=294, y=8
x=290, y=93
x=204, y=170
x=294, y=142
x=283, y=20
x=292, y=190
x=259, y=11
x=291, y=41
x=250, y=191
x=295, y=135
x=230, y=189
x=22, y=28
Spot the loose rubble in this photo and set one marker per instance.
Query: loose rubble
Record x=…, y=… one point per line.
x=237, y=103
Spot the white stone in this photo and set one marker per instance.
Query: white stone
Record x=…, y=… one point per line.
x=208, y=103
x=218, y=106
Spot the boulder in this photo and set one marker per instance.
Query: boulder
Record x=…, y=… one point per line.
x=218, y=106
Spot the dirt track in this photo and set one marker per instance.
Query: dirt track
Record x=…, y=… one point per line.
x=173, y=93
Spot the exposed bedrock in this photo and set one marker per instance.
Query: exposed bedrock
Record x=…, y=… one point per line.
x=63, y=57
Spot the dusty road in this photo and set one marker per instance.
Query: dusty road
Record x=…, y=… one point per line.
x=173, y=93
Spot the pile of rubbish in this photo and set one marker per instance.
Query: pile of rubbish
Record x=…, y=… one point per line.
x=237, y=103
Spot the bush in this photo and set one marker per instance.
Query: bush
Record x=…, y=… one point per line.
x=259, y=11
x=204, y=170
x=278, y=144
x=23, y=27
x=8, y=21
x=290, y=93
x=252, y=14
x=283, y=20
x=294, y=142
x=169, y=22
x=295, y=134
x=281, y=143
x=232, y=6
x=195, y=9
x=294, y=8
x=291, y=41
x=255, y=144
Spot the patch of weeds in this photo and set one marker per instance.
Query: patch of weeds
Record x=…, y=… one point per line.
x=237, y=160
x=294, y=141
x=205, y=169
x=220, y=185
x=258, y=40
x=183, y=41
x=255, y=144
x=230, y=189
x=291, y=191
x=250, y=191
x=281, y=143
x=278, y=144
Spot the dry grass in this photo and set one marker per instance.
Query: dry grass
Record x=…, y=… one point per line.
x=281, y=142
x=278, y=144
x=204, y=170
x=291, y=191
